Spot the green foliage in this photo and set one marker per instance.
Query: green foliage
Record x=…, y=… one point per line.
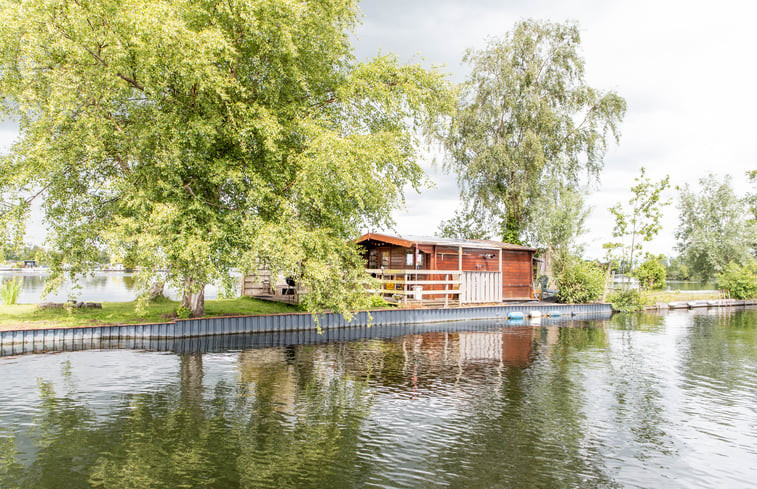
x=200, y=136
x=739, y=280
x=9, y=291
x=751, y=198
x=557, y=220
x=626, y=300
x=183, y=312
x=26, y=252
x=580, y=282
x=714, y=228
x=378, y=302
x=469, y=223
x=651, y=273
x=527, y=120
x=676, y=269
x=639, y=223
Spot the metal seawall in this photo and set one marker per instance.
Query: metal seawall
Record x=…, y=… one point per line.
x=279, y=328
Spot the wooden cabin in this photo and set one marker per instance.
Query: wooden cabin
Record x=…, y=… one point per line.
x=464, y=271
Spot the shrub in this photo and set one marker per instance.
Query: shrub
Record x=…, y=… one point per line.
x=183, y=312
x=651, y=273
x=739, y=280
x=377, y=302
x=580, y=282
x=10, y=290
x=626, y=300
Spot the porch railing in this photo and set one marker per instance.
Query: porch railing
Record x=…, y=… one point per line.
x=419, y=285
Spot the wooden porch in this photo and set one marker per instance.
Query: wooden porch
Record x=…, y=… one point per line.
x=438, y=287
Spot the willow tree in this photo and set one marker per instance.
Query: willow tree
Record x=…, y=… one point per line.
x=527, y=118
x=199, y=135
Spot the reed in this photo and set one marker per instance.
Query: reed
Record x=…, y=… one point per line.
x=9, y=291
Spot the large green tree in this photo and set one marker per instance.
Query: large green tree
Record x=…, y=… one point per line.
x=528, y=118
x=200, y=135
x=715, y=227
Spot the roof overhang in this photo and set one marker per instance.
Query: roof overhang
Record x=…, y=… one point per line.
x=384, y=238
x=421, y=241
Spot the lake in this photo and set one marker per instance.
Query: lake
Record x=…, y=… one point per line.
x=640, y=400
x=98, y=287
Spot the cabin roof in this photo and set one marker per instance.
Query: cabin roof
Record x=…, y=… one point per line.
x=410, y=241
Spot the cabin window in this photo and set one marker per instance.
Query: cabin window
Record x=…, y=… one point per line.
x=373, y=259
x=409, y=259
x=385, y=259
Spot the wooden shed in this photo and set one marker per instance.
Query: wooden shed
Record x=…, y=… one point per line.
x=419, y=268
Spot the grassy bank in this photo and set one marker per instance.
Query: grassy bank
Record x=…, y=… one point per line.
x=666, y=296
x=27, y=316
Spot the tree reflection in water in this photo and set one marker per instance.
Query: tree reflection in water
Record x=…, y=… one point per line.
x=583, y=404
x=177, y=438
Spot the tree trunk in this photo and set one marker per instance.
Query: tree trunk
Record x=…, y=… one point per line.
x=156, y=290
x=511, y=229
x=194, y=297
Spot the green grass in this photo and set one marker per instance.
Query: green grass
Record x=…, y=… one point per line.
x=655, y=296
x=27, y=316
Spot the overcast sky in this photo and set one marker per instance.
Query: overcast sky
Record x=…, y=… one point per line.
x=686, y=69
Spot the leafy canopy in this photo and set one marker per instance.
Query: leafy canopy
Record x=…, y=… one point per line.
x=527, y=119
x=198, y=136
x=469, y=223
x=715, y=227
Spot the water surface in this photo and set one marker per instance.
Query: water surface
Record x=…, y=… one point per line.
x=97, y=287
x=636, y=401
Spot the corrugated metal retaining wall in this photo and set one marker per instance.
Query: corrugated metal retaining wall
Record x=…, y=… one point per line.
x=144, y=335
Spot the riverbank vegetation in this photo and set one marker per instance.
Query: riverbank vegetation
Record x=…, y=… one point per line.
x=580, y=282
x=739, y=280
x=29, y=316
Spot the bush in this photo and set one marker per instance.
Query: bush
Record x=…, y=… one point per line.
x=626, y=300
x=183, y=312
x=10, y=290
x=580, y=282
x=739, y=280
x=651, y=273
x=377, y=302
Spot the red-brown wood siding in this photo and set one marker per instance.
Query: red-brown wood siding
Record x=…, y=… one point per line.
x=446, y=258
x=517, y=270
x=516, y=274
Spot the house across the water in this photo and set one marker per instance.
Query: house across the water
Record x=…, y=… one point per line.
x=448, y=271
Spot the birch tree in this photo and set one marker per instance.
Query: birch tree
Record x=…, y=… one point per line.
x=527, y=119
